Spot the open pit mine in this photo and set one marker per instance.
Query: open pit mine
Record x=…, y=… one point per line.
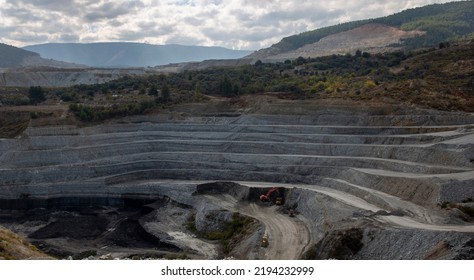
x=284, y=180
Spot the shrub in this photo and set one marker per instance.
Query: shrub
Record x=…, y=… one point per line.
x=85, y=255
x=369, y=84
x=36, y=95
x=34, y=115
x=66, y=97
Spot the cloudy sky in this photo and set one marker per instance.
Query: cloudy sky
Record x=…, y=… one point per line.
x=236, y=24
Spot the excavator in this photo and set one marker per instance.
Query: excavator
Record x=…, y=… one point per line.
x=266, y=197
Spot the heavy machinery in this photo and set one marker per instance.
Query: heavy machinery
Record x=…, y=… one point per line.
x=279, y=200
x=291, y=213
x=264, y=242
x=266, y=197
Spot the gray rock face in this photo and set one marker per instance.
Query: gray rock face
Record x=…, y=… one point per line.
x=425, y=164
x=384, y=164
x=416, y=245
x=212, y=220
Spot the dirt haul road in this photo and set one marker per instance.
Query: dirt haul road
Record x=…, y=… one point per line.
x=288, y=237
x=395, y=221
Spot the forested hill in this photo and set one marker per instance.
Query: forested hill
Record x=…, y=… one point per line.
x=13, y=57
x=438, y=22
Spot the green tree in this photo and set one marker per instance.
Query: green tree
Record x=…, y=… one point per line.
x=225, y=86
x=104, y=89
x=153, y=90
x=300, y=61
x=198, y=92
x=142, y=90
x=36, y=95
x=236, y=89
x=165, y=93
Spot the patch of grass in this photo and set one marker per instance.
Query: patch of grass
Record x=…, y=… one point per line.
x=231, y=228
x=3, y=249
x=13, y=247
x=191, y=224
x=182, y=256
x=13, y=124
x=3, y=252
x=88, y=113
x=85, y=255
x=231, y=232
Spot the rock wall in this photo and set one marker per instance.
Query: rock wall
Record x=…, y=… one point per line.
x=404, y=163
x=424, y=164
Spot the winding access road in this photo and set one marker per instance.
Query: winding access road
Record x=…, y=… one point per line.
x=288, y=237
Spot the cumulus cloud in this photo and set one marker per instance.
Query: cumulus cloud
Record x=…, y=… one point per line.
x=112, y=10
x=237, y=24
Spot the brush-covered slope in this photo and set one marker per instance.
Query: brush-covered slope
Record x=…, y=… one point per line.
x=409, y=29
x=14, y=247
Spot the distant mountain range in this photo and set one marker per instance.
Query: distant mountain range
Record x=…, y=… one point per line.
x=13, y=57
x=131, y=54
x=410, y=29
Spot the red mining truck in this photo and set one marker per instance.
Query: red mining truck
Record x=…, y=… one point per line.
x=266, y=197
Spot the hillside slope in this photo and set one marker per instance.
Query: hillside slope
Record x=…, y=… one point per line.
x=14, y=247
x=131, y=54
x=410, y=29
x=13, y=57
x=372, y=37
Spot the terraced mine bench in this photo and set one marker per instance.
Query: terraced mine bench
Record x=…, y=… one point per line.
x=383, y=174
